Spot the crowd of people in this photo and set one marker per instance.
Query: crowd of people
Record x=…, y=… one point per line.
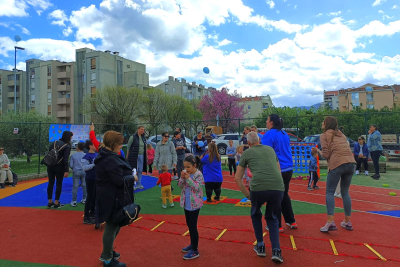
x=262, y=165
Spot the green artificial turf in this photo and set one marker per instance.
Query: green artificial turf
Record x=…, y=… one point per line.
x=7, y=263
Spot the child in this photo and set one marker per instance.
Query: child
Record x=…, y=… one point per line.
x=191, y=200
x=75, y=164
x=239, y=153
x=165, y=179
x=312, y=168
x=89, y=167
x=150, y=157
x=231, y=151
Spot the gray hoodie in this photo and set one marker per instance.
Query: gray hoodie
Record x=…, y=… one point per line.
x=165, y=154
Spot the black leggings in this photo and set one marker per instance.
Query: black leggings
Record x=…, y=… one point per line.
x=191, y=222
x=286, y=206
x=90, y=199
x=150, y=168
x=375, y=159
x=53, y=173
x=362, y=160
x=213, y=186
x=232, y=165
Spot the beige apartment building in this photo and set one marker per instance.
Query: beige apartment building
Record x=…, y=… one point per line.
x=369, y=96
x=184, y=89
x=96, y=69
x=7, y=81
x=50, y=86
x=254, y=106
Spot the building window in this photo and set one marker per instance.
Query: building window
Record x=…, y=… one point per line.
x=119, y=73
x=370, y=106
x=11, y=77
x=48, y=110
x=33, y=85
x=93, y=77
x=92, y=91
x=355, y=99
x=370, y=97
x=173, y=90
x=49, y=97
x=68, y=95
x=93, y=63
x=68, y=82
x=0, y=80
x=166, y=88
x=48, y=71
x=49, y=84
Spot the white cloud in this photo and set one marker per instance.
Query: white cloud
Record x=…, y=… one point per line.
x=319, y=15
x=335, y=13
x=8, y=25
x=381, y=12
x=395, y=7
x=378, y=2
x=67, y=31
x=271, y=4
x=224, y=42
x=19, y=8
x=59, y=17
x=377, y=28
x=21, y=65
x=355, y=57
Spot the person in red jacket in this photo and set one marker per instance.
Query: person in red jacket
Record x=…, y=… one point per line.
x=165, y=179
x=96, y=143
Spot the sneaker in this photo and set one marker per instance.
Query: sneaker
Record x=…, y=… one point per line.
x=209, y=201
x=116, y=256
x=277, y=256
x=88, y=221
x=187, y=249
x=337, y=195
x=347, y=225
x=357, y=172
x=376, y=176
x=135, y=188
x=366, y=173
x=12, y=185
x=2, y=186
x=292, y=225
x=316, y=187
x=58, y=206
x=309, y=188
x=328, y=227
x=172, y=189
x=141, y=187
x=73, y=203
x=280, y=229
x=97, y=226
x=172, y=205
x=260, y=250
x=175, y=177
x=191, y=255
x=83, y=201
x=164, y=206
x=50, y=205
x=114, y=263
x=217, y=199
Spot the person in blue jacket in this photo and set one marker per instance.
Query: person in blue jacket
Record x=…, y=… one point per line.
x=212, y=172
x=361, y=154
x=279, y=140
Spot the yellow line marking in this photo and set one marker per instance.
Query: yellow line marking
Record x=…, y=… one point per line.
x=293, y=243
x=375, y=252
x=255, y=242
x=333, y=247
x=137, y=219
x=221, y=234
x=9, y=191
x=158, y=225
x=187, y=232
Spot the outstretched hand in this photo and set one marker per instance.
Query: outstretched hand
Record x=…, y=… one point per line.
x=91, y=127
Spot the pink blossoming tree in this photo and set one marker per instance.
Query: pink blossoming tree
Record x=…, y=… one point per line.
x=226, y=105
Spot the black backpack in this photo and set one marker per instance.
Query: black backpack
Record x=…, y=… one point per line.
x=51, y=158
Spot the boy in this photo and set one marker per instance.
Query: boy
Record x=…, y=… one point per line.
x=312, y=168
x=231, y=151
x=75, y=164
x=89, y=167
x=165, y=179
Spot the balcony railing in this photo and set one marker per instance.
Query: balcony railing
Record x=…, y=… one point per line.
x=64, y=88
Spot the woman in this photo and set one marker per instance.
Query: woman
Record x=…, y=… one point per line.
x=199, y=150
x=341, y=167
x=136, y=154
x=112, y=171
x=180, y=147
x=165, y=154
x=375, y=148
x=279, y=140
x=60, y=170
x=243, y=139
x=212, y=172
x=361, y=154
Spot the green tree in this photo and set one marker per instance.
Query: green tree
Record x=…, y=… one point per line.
x=154, y=109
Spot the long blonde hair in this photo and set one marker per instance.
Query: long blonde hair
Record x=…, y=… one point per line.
x=213, y=152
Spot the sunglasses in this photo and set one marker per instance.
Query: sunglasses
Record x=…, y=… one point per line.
x=167, y=136
x=359, y=139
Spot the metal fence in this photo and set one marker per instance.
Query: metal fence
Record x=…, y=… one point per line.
x=27, y=146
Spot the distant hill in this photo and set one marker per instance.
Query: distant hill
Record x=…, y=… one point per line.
x=316, y=106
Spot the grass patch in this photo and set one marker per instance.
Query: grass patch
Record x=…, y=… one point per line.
x=7, y=263
x=21, y=167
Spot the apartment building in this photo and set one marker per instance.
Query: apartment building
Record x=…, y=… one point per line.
x=96, y=69
x=331, y=99
x=50, y=88
x=369, y=96
x=184, y=89
x=254, y=106
x=7, y=81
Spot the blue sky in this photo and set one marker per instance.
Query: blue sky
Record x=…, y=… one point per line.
x=289, y=49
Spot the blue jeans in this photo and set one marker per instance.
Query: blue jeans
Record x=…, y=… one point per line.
x=78, y=176
x=273, y=199
x=344, y=173
x=139, y=169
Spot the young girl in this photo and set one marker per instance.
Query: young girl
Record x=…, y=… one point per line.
x=191, y=200
x=212, y=172
x=239, y=153
x=150, y=157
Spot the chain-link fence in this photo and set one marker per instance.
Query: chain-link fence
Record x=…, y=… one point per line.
x=26, y=143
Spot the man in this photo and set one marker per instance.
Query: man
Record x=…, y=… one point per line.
x=136, y=154
x=197, y=150
x=253, y=128
x=266, y=187
x=243, y=139
x=5, y=169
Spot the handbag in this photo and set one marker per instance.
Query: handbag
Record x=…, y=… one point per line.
x=128, y=214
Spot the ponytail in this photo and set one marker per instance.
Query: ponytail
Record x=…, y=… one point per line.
x=277, y=122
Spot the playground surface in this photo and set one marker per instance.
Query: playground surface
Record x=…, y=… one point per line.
x=35, y=236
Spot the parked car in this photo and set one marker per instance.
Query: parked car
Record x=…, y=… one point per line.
x=315, y=139
x=153, y=140
x=222, y=142
x=74, y=144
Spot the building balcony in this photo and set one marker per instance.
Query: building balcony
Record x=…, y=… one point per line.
x=64, y=75
x=11, y=94
x=11, y=106
x=63, y=114
x=11, y=83
x=63, y=101
x=64, y=88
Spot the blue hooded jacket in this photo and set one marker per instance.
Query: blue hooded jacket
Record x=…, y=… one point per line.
x=357, y=148
x=212, y=171
x=280, y=142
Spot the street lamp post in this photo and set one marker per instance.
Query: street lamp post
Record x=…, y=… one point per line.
x=15, y=77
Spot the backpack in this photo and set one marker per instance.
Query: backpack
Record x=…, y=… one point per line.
x=51, y=158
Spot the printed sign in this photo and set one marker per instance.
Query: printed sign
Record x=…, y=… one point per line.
x=81, y=132
x=16, y=130
x=56, y=130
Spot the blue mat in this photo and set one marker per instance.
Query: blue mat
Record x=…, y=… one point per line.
x=37, y=196
x=393, y=213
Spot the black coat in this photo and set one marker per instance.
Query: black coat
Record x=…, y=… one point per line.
x=134, y=151
x=111, y=169
x=63, y=153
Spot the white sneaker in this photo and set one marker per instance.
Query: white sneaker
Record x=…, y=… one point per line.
x=366, y=173
x=83, y=201
x=172, y=205
x=135, y=188
x=141, y=187
x=338, y=195
x=73, y=203
x=357, y=172
x=164, y=206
